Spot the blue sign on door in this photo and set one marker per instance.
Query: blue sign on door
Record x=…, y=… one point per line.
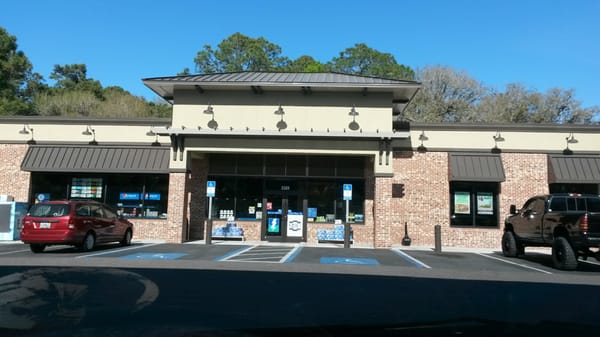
x=274, y=225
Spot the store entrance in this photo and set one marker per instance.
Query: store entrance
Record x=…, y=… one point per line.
x=284, y=218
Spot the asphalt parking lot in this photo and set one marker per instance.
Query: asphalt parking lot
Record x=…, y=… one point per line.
x=247, y=253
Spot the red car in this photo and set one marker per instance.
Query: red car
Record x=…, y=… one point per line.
x=73, y=222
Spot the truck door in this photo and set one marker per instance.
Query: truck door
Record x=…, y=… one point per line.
x=530, y=220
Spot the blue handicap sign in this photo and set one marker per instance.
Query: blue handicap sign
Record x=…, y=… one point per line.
x=347, y=191
x=210, y=188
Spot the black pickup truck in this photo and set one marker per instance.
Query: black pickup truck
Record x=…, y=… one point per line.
x=569, y=223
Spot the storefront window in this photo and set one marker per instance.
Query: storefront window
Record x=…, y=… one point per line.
x=134, y=195
x=474, y=204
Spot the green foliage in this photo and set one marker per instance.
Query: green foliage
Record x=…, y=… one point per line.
x=239, y=52
x=363, y=60
x=306, y=64
x=15, y=71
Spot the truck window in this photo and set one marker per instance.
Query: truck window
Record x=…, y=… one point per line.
x=571, y=204
x=558, y=204
x=593, y=204
x=581, y=204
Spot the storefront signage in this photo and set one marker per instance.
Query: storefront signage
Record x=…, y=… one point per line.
x=485, y=203
x=347, y=191
x=86, y=188
x=274, y=225
x=42, y=197
x=211, y=186
x=129, y=196
x=462, y=202
x=152, y=196
x=295, y=224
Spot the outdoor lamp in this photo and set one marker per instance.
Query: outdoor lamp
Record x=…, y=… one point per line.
x=353, y=125
x=281, y=124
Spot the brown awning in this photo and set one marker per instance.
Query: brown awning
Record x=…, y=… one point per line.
x=476, y=167
x=96, y=159
x=574, y=169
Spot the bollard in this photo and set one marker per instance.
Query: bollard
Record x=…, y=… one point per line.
x=209, y=231
x=347, y=235
x=438, y=238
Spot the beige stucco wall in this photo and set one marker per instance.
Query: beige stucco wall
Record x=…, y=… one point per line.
x=318, y=111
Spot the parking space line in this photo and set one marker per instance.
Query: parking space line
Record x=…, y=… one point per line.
x=14, y=251
x=234, y=253
x=410, y=259
x=117, y=251
x=514, y=263
x=289, y=257
x=590, y=262
x=268, y=259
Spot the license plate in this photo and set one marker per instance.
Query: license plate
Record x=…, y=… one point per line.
x=45, y=225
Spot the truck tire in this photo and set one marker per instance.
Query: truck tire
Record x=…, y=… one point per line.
x=563, y=255
x=510, y=248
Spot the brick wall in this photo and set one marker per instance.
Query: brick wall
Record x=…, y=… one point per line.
x=196, y=187
x=426, y=199
x=13, y=181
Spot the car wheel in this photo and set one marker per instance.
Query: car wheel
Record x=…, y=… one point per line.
x=127, y=238
x=37, y=247
x=563, y=255
x=88, y=242
x=510, y=248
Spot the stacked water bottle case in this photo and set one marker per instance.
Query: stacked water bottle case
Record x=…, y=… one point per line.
x=230, y=230
x=335, y=234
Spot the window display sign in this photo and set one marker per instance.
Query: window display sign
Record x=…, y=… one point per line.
x=485, y=203
x=274, y=225
x=295, y=224
x=462, y=202
x=152, y=196
x=129, y=196
x=86, y=188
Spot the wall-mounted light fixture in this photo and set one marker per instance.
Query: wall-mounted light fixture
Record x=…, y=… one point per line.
x=151, y=133
x=498, y=137
x=281, y=124
x=212, y=123
x=353, y=125
x=570, y=140
x=89, y=131
x=26, y=130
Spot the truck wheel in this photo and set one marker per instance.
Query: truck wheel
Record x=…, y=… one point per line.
x=509, y=244
x=563, y=255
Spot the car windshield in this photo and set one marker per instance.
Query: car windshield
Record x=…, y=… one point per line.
x=49, y=210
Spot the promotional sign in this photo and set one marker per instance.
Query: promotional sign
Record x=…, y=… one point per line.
x=86, y=188
x=347, y=191
x=152, y=196
x=274, y=225
x=295, y=224
x=485, y=203
x=462, y=202
x=129, y=196
x=211, y=186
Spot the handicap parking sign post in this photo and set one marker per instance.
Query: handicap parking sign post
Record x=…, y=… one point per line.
x=347, y=195
x=211, y=186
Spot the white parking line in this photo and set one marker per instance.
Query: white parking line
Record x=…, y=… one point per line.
x=289, y=254
x=236, y=253
x=514, y=263
x=590, y=262
x=410, y=259
x=117, y=250
x=14, y=251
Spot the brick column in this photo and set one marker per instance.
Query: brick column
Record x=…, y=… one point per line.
x=382, y=212
x=196, y=188
x=177, y=208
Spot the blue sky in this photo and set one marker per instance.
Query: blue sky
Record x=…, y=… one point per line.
x=541, y=44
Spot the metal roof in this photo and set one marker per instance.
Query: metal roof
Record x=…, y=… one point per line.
x=97, y=159
x=574, y=169
x=306, y=82
x=476, y=167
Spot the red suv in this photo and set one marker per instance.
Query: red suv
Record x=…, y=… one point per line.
x=72, y=222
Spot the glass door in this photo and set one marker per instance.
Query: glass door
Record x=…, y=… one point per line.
x=284, y=216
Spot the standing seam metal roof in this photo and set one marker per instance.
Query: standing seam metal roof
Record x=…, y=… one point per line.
x=574, y=169
x=97, y=159
x=282, y=78
x=476, y=167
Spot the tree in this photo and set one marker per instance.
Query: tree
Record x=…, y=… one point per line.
x=306, y=64
x=511, y=106
x=240, y=53
x=15, y=71
x=447, y=95
x=74, y=77
x=363, y=60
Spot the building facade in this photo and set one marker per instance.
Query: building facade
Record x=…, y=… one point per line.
x=280, y=154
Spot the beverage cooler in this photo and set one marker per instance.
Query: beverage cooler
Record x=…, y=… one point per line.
x=11, y=214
